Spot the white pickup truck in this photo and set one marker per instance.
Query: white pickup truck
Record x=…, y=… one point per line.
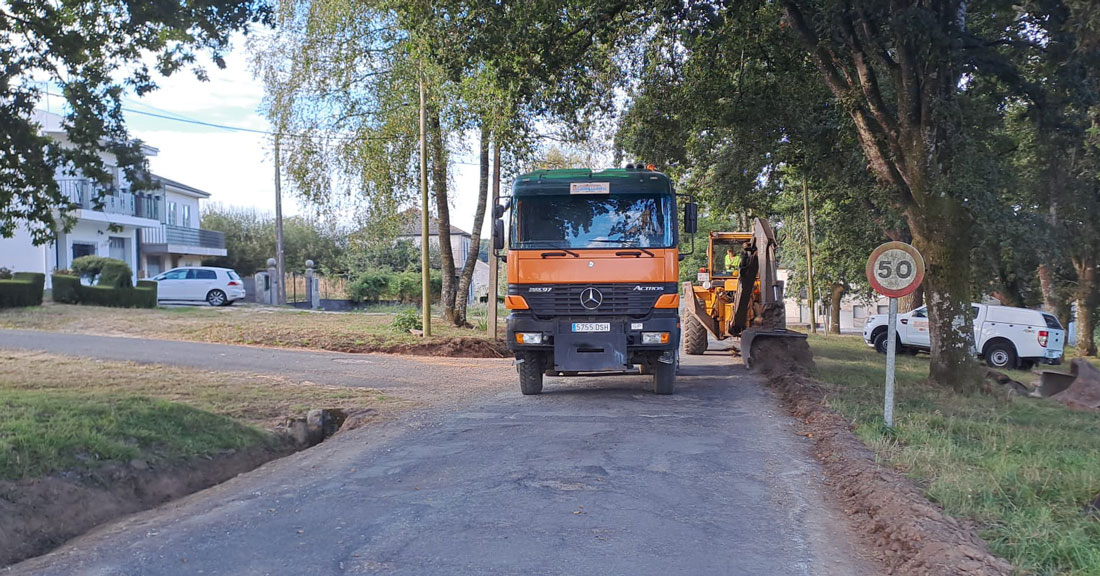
x=1005, y=337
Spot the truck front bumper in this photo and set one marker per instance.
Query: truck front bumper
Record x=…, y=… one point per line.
x=618, y=348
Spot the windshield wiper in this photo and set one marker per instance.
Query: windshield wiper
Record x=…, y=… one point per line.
x=561, y=252
x=626, y=244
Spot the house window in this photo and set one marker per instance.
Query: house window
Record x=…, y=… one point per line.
x=172, y=214
x=186, y=216
x=83, y=249
x=118, y=249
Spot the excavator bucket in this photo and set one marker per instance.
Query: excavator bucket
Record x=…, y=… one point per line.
x=776, y=351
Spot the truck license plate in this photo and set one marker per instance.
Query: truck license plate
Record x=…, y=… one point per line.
x=591, y=326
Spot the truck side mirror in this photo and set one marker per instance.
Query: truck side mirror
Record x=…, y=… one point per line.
x=500, y=209
x=498, y=232
x=691, y=217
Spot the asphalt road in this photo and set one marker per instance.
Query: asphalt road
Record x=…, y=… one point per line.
x=380, y=371
x=595, y=476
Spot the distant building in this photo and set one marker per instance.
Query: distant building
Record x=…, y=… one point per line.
x=460, y=247
x=149, y=229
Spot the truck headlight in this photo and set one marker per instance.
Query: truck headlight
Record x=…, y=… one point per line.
x=529, y=337
x=654, y=337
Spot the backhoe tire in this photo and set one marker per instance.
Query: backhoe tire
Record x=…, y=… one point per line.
x=664, y=378
x=530, y=374
x=695, y=336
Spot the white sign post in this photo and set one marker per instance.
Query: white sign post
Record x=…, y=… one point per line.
x=894, y=269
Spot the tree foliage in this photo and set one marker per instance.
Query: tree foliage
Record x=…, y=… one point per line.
x=250, y=241
x=95, y=52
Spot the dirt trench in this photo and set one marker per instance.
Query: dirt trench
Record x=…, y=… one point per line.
x=42, y=513
x=909, y=534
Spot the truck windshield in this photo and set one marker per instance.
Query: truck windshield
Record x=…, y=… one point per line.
x=591, y=221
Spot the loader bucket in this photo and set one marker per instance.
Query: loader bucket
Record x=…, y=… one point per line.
x=774, y=351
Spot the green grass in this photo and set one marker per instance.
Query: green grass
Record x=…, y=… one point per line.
x=45, y=431
x=62, y=413
x=1022, y=468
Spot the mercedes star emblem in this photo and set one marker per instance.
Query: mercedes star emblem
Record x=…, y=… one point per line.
x=591, y=298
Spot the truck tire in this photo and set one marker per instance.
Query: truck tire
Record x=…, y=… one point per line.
x=530, y=374
x=664, y=378
x=1000, y=354
x=695, y=336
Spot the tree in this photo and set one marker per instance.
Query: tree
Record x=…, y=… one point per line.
x=95, y=53
x=250, y=241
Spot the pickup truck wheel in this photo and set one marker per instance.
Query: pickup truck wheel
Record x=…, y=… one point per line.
x=1001, y=355
x=695, y=336
x=880, y=342
x=530, y=373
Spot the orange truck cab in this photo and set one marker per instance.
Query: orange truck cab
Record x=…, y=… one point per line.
x=593, y=269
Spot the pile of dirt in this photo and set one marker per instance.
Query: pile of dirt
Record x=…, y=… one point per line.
x=42, y=513
x=460, y=347
x=911, y=535
x=464, y=347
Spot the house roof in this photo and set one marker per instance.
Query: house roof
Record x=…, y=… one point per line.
x=180, y=187
x=410, y=225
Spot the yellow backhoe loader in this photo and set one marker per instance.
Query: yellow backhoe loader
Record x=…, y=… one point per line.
x=738, y=295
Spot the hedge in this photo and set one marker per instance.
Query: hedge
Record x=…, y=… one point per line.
x=108, y=272
x=69, y=290
x=24, y=289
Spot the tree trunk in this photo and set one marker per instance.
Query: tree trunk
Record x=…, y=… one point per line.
x=835, y=297
x=439, y=187
x=1086, y=297
x=467, y=275
x=1053, y=301
x=939, y=234
x=914, y=300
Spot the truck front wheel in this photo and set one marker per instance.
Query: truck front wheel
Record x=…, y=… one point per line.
x=530, y=373
x=664, y=376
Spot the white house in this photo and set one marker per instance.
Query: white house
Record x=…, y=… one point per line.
x=122, y=228
x=178, y=240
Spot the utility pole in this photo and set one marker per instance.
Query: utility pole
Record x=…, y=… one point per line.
x=494, y=262
x=425, y=273
x=279, y=261
x=809, y=258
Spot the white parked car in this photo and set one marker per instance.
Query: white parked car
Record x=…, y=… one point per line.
x=1005, y=337
x=217, y=286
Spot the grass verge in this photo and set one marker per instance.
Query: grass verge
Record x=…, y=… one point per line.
x=1022, y=469
x=253, y=325
x=69, y=414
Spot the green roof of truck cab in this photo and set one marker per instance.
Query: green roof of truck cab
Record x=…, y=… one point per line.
x=619, y=180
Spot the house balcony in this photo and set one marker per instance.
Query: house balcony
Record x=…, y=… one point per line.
x=168, y=239
x=113, y=202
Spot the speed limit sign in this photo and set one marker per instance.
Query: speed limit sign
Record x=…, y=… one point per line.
x=895, y=269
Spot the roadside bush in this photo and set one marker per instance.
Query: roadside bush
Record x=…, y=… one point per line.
x=69, y=290
x=371, y=286
x=21, y=290
x=407, y=286
x=407, y=319
x=5, y=273
x=108, y=272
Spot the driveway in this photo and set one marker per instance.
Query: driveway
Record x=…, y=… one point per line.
x=595, y=476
